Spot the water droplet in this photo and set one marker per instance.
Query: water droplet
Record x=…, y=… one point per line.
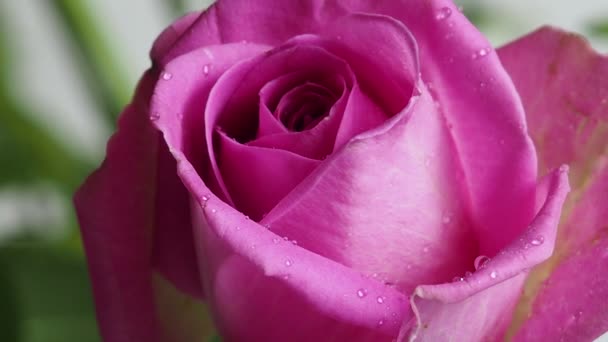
x=206, y=68
x=467, y=274
x=155, y=116
x=443, y=13
x=375, y=275
x=286, y=276
x=537, y=241
x=246, y=217
x=480, y=53
x=380, y=299
x=267, y=225
x=253, y=246
x=167, y=76
x=238, y=228
x=294, y=242
x=276, y=240
x=205, y=197
x=493, y=274
x=446, y=219
x=288, y=263
x=361, y=293
x=380, y=322
x=481, y=261
x=285, y=238
x=457, y=279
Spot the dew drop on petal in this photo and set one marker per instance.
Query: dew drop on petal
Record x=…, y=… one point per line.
x=443, y=13
x=288, y=262
x=493, y=274
x=285, y=238
x=214, y=210
x=380, y=299
x=361, y=293
x=276, y=240
x=246, y=217
x=457, y=279
x=294, y=242
x=467, y=274
x=380, y=322
x=206, y=68
x=155, y=116
x=537, y=241
x=238, y=228
x=480, y=53
x=481, y=261
x=167, y=76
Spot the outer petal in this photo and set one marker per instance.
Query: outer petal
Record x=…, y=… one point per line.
x=126, y=227
x=231, y=246
x=479, y=307
x=566, y=101
x=117, y=234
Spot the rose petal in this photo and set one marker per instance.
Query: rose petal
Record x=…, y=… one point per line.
x=386, y=203
x=178, y=97
x=566, y=99
x=164, y=42
x=117, y=235
x=331, y=290
x=181, y=95
x=479, y=308
x=124, y=223
x=258, y=178
x=235, y=94
x=488, y=126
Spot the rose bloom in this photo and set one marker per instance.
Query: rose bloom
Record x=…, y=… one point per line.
x=353, y=170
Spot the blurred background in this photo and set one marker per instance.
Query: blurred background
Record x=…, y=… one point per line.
x=67, y=68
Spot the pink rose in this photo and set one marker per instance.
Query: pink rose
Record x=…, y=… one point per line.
x=350, y=171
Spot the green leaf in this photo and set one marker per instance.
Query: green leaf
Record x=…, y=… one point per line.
x=28, y=153
x=598, y=28
x=53, y=293
x=104, y=73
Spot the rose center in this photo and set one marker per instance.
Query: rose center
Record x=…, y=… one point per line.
x=304, y=106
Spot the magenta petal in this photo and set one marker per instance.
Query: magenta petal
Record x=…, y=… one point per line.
x=164, y=42
x=180, y=98
x=483, y=108
x=258, y=178
x=361, y=114
x=480, y=307
x=382, y=220
x=338, y=300
x=566, y=100
x=115, y=208
x=236, y=93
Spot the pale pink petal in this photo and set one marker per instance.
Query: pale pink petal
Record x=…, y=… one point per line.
x=566, y=101
x=181, y=95
x=479, y=307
